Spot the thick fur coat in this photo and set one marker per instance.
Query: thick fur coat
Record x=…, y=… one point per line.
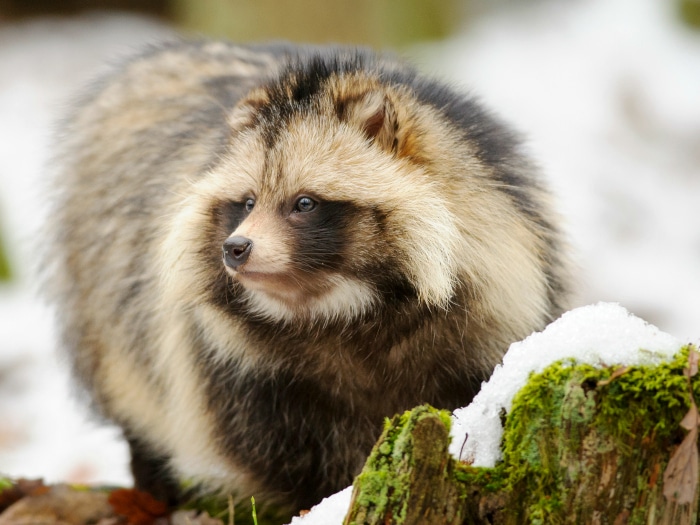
x=258, y=253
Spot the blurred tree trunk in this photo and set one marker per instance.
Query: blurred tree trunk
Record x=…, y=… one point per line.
x=690, y=12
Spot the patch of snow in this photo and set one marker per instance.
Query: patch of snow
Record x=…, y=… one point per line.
x=606, y=94
x=43, y=431
x=602, y=334
x=331, y=510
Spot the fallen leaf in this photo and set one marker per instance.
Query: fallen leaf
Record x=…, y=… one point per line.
x=681, y=474
x=19, y=489
x=58, y=504
x=139, y=508
x=691, y=418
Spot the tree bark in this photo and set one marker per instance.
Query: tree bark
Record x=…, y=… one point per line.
x=409, y=477
x=581, y=445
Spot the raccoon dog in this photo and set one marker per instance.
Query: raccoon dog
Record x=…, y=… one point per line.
x=259, y=253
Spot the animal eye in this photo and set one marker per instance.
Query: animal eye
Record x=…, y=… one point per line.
x=305, y=204
x=249, y=204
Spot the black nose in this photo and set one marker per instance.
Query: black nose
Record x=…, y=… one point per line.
x=236, y=251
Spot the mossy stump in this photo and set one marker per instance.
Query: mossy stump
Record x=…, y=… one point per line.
x=582, y=445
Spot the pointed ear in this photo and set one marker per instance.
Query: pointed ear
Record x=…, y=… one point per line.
x=243, y=113
x=241, y=117
x=374, y=114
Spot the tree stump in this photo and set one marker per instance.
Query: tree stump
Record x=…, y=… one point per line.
x=581, y=445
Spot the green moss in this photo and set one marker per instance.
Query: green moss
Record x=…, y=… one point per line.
x=488, y=479
x=386, y=479
x=377, y=482
x=558, y=416
x=569, y=440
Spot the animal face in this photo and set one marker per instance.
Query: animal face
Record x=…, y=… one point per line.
x=323, y=216
x=306, y=234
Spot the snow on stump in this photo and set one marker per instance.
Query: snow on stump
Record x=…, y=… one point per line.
x=581, y=444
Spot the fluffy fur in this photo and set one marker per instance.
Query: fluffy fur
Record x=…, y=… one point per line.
x=429, y=246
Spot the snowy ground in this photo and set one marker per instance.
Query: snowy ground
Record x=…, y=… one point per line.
x=608, y=92
x=43, y=433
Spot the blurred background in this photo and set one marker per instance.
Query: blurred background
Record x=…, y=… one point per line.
x=607, y=93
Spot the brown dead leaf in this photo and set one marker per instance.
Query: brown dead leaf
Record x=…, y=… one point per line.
x=681, y=475
x=139, y=508
x=691, y=418
x=21, y=488
x=58, y=505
